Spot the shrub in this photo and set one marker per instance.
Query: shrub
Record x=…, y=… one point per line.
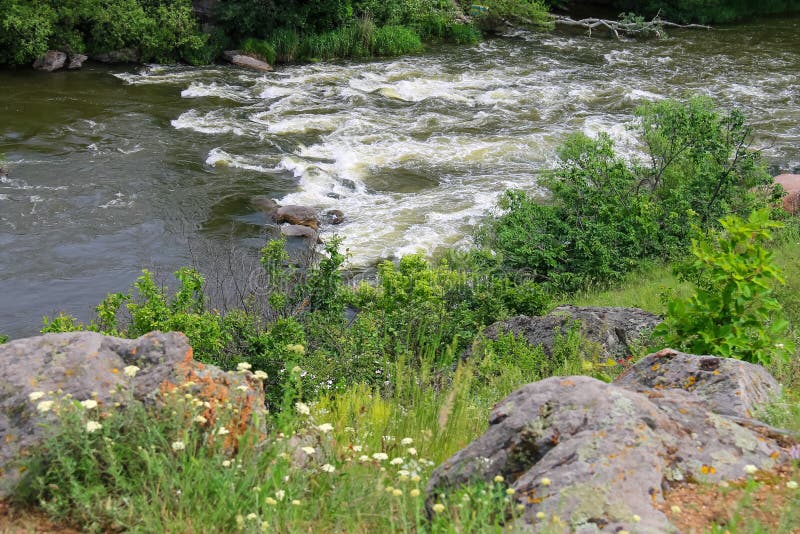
x=286, y=43
x=25, y=28
x=733, y=312
x=462, y=34
x=532, y=13
x=606, y=215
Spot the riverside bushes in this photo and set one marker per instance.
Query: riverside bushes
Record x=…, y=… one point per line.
x=160, y=30
x=606, y=214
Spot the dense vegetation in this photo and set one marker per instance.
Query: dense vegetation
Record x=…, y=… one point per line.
x=287, y=30
x=371, y=378
x=709, y=11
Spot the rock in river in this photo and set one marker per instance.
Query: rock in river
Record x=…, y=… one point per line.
x=50, y=61
x=294, y=214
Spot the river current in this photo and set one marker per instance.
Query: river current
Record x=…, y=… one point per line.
x=112, y=171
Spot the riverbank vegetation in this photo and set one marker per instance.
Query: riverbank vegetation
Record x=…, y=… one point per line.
x=368, y=385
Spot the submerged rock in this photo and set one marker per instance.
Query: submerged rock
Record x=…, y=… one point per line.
x=266, y=205
x=614, y=329
x=123, y=55
x=50, y=61
x=333, y=217
x=598, y=454
x=88, y=365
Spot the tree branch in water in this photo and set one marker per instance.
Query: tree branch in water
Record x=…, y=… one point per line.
x=629, y=24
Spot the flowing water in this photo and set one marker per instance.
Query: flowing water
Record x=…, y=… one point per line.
x=116, y=170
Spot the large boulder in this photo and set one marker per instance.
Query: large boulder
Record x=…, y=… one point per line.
x=298, y=230
x=599, y=456
x=790, y=184
x=88, y=365
x=614, y=329
x=50, y=61
x=302, y=215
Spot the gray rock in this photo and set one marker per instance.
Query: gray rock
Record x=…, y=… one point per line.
x=89, y=365
x=239, y=59
x=302, y=215
x=266, y=205
x=608, y=451
x=614, y=329
x=729, y=387
x=50, y=61
x=123, y=55
x=298, y=230
x=333, y=217
x=76, y=61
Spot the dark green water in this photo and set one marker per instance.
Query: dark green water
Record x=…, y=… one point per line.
x=117, y=170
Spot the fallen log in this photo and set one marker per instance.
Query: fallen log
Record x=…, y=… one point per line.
x=629, y=25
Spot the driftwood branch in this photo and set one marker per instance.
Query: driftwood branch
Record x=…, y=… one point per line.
x=632, y=28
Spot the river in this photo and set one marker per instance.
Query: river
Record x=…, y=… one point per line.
x=115, y=170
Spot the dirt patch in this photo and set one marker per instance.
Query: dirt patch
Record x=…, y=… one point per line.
x=763, y=499
x=16, y=520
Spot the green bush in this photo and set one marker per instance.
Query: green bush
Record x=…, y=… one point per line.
x=161, y=30
x=532, y=13
x=286, y=43
x=462, y=34
x=25, y=28
x=733, y=311
x=606, y=215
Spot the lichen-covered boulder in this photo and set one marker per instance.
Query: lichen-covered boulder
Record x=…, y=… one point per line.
x=728, y=386
x=86, y=365
x=615, y=330
x=598, y=455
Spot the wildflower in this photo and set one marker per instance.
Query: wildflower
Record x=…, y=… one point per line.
x=622, y=532
x=397, y=492
x=498, y=478
x=93, y=426
x=540, y=515
x=397, y=461
x=520, y=507
x=380, y=456
x=36, y=395
x=328, y=468
x=178, y=446
x=389, y=489
x=302, y=408
x=545, y=481
x=226, y=463
x=251, y=516
x=200, y=419
x=779, y=345
x=414, y=492
x=89, y=404
x=260, y=375
x=675, y=509
x=415, y=478
x=411, y=451
x=349, y=429
x=243, y=366
x=636, y=518
x=363, y=458
x=357, y=448
x=438, y=508
x=510, y=491
x=296, y=502
x=325, y=428
x=406, y=441
x=750, y=469
x=298, y=349
x=270, y=501
x=44, y=406
x=791, y=484
x=403, y=473
x=130, y=371
x=239, y=519
x=296, y=369
x=280, y=494
x=242, y=388
x=222, y=431
x=308, y=450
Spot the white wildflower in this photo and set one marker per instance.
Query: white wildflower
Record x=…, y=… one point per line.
x=302, y=408
x=36, y=395
x=130, y=371
x=243, y=366
x=93, y=426
x=325, y=428
x=178, y=446
x=89, y=404
x=328, y=468
x=45, y=406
